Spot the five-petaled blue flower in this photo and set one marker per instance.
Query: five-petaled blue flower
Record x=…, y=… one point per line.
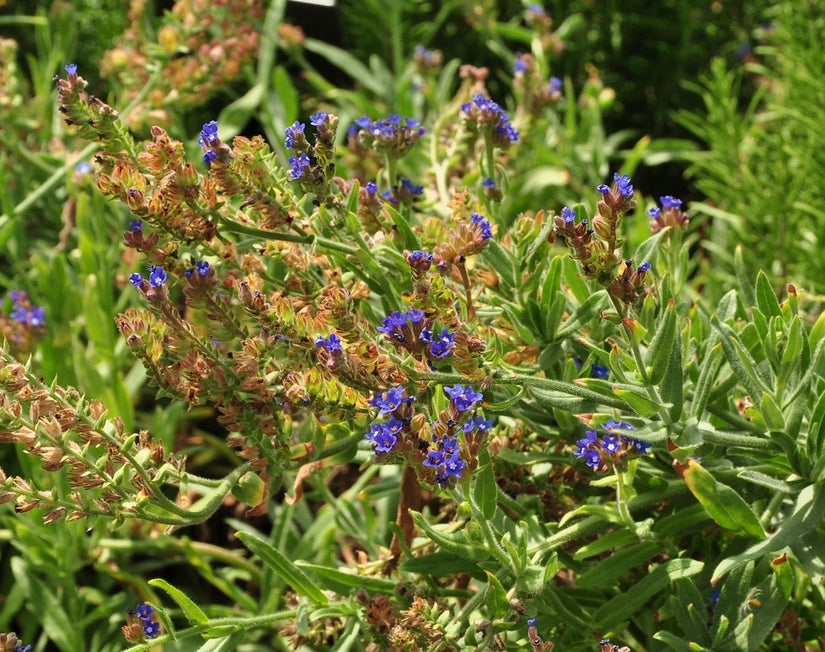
x=389, y=401
x=331, y=343
x=157, y=276
x=463, y=398
x=381, y=434
x=71, y=68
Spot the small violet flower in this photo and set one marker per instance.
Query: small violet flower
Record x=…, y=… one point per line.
x=157, y=276
x=463, y=398
x=331, y=343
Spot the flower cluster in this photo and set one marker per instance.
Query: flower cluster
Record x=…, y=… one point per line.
x=391, y=134
x=142, y=622
x=607, y=647
x=413, y=331
x=404, y=192
x=669, y=215
x=444, y=454
x=610, y=447
x=467, y=238
x=596, y=245
x=24, y=312
x=483, y=115
x=157, y=277
x=629, y=286
x=312, y=164
x=396, y=405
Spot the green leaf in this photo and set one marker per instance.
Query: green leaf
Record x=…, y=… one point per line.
x=453, y=543
x=495, y=597
x=224, y=644
x=347, y=63
x=765, y=296
x=657, y=356
x=57, y=624
x=725, y=506
x=283, y=567
x=739, y=359
x=707, y=378
x=771, y=413
x=672, y=385
x=339, y=577
x=193, y=612
x=485, y=491
x=590, y=308
x=606, y=573
x=638, y=400
x=440, y=563
x=410, y=241
x=810, y=505
x=644, y=592
x=502, y=262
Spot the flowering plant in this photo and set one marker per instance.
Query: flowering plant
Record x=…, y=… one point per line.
x=426, y=421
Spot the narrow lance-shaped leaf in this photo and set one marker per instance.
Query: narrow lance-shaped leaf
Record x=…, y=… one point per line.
x=724, y=505
x=282, y=566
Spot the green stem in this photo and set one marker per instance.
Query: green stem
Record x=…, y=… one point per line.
x=215, y=624
x=323, y=243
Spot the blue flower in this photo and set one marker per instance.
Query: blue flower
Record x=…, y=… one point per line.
x=645, y=266
x=136, y=226
x=488, y=183
x=299, y=164
x=371, y=188
x=477, y=423
x=610, y=444
x=383, y=438
x=157, y=276
x=209, y=133
x=603, y=188
x=203, y=267
x=144, y=611
x=670, y=202
x=331, y=343
x=390, y=400
x=71, y=68
x=520, y=66
x=151, y=629
x=83, y=168
x=531, y=622
x=483, y=224
x=136, y=279
x=463, y=398
x=568, y=215
x=209, y=156
x=442, y=344
x=599, y=371
x=554, y=84
x=624, y=184
x=318, y=119
x=444, y=456
x=22, y=648
x=654, y=212
x=296, y=129
x=417, y=255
